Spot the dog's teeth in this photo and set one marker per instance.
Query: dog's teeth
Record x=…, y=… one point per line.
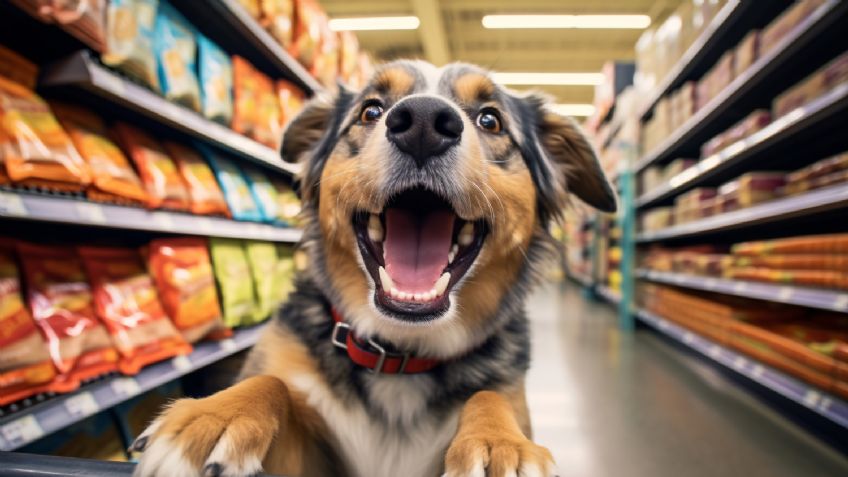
x=430, y=295
x=394, y=292
x=375, y=229
x=442, y=284
x=404, y=296
x=385, y=279
x=466, y=234
x=453, y=251
x=418, y=297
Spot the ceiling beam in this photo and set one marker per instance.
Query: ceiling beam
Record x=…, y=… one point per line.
x=432, y=31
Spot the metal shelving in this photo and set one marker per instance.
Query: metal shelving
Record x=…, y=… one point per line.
x=832, y=300
x=776, y=70
x=820, y=200
x=30, y=424
x=753, y=148
x=611, y=296
x=82, y=72
x=810, y=397
x=78, y=211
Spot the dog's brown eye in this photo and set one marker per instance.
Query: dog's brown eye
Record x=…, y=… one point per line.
x=371, y=113
x=489, y=121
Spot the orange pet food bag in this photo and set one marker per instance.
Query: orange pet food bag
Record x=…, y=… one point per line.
x=291, y=100
x=206, y=195
x=35, y=149
x=113, y=177
x=126, y=301
x=60, y=299
x=165, y=187
x=183, y=274
x=25, y=366
x=245, y=96
x=268, y=127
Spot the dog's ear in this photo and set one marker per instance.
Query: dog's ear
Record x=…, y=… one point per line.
x=311, y=136
x=561, y=159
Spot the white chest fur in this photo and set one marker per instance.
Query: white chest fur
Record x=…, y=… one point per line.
x=413, y=444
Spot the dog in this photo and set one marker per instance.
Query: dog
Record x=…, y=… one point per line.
x=427, y=199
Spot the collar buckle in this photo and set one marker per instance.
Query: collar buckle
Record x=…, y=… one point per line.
x=337, y=330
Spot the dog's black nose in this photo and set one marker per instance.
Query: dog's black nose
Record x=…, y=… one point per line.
x=423, y=127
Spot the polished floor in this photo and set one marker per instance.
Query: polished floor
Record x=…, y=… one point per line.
x=612, y=404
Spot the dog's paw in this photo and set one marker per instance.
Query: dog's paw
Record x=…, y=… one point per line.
x=220, y=436
x=497, y=456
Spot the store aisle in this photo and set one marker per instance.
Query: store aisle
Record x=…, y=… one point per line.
x=613, y=404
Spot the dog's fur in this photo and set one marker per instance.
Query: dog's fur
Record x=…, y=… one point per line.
x=302, y=406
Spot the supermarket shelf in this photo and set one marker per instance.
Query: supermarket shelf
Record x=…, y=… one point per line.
x=232, y=27
x=78, y=211
x=832, y=300
x=81, y=70
x=768, y=71
x=611, y=296
x=773, y=137
x=820, y=200
x=28, y=425
x=824, y=404
x=580, y=279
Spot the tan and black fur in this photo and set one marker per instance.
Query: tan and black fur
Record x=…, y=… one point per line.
x=302, y=406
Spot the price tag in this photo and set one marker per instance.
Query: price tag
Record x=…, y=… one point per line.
x=739, y=363
x=785, y=293
x=740, y=287
x=841, y=302
x=181, y=363
x=126, y=387
x=92, y=213
x=12, y=205
x=228, y=344
x=715, y=351
x=710, y=284
x=679, y=279
x=688, y=338
x=811, y=398
x=81, y=405
x=758, y=371
x=22, y=430
x=163, y=220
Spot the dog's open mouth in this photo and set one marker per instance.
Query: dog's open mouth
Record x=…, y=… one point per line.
x=416, y=251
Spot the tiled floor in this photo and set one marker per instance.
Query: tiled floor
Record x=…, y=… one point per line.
x=615, y=404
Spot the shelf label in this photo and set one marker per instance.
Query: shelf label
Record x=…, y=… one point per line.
x=11, y=204
x=785, y=293
x=710, y=284
x=688, y=338
x=181, y=363
x=841, y=302
x=81, y=405
x=739, y=362
x=758, y=371
x=811, y=398
x=715, y=351
x=89, y=212
x=22, y=430
x=740, y=287
x=126, y=387
x=228, y=344
x=164, y=220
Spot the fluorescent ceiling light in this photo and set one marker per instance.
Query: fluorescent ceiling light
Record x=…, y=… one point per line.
x=556, y=79
x=637, y=22
x=374, y=23
x=573, y=109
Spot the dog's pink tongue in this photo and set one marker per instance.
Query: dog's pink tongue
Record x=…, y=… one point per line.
x=417, y=248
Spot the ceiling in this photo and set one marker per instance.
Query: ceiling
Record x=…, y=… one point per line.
x=451, y=30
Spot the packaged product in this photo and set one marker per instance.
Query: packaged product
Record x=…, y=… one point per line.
x=206, y=196
x=325, y=67
x=794, y=262
x=262, y=258
x=291, y=100
x=752, y=123
x=182, y=271
x=126, y=301
x=815, y=278
x=84, y=19
x=245, y=95
x=130, y=27
x=833, y=243
x=829, y=171
x=264, y=193
x=18, y=69
x=165, y=188
x=307, y=32
x=268, y=128
x=216, y=81
x=61, y=302
x=236, y=191
x=35, y=149
x=657, y=218
x=277, y=19
x=786, y=22
x=747, y=51
x=113, y=178
x=814, y=86
x=25, y=366
x=751, y=188
x=176, y=50
x=348, y=55
x=284, y=272
x=234, y=279
x=288, y=204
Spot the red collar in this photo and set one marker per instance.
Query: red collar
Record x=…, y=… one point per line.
x=371, y=355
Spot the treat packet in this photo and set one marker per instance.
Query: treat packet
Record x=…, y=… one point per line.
x=128, y=305
x=264, y=193
x=235, y=284
x=206, y=195
x=176, y=50
x=130, y=31
x=216, y=81
x=262, y=258
x=236, y=191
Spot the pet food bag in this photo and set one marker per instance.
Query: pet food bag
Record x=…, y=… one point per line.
x=206, y=195
x=288, y=204
x=126, y=301
x=268, y=128
x=25, y=366
x=84, y=19
x=291, y=100
x=165, y=187
x=176, y=50
x=234, y=281
x=35, y=149
x=264, y=193
x=61, y=302
x=130, y=31
x=284, y=272
x=236, y=191
x=183, y=275
x=276, y=17
x=245, y=96
x=307, y=32
x=216, y=81
x=113, y=178
x=262, y=258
